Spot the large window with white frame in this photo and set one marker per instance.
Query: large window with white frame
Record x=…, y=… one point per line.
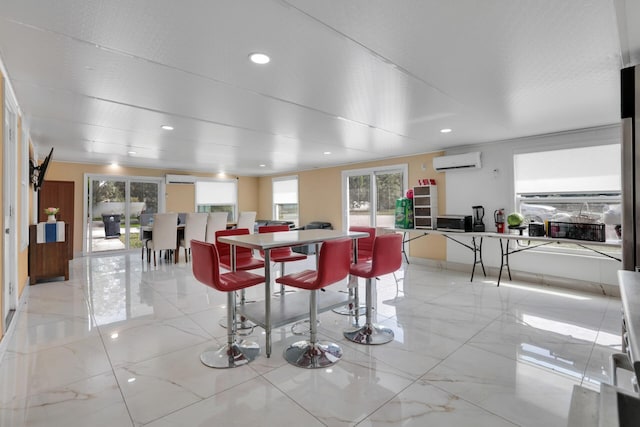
x=217, y=195
x=579, y=184
x=285, y=199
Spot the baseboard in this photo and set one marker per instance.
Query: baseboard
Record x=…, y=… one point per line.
x=534, y=278
x=4, y=341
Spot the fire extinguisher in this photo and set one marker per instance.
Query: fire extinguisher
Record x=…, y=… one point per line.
x=498, y=216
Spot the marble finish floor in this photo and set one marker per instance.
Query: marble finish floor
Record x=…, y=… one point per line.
x=119, y=344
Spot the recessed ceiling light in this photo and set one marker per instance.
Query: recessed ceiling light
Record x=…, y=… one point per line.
x=445, y=130
x=326, y=153
x=114, y=164
x=131, y=153
x=167, y=127
x=262, y=166
x=259, y=58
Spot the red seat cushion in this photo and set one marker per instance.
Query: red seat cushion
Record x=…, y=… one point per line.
x=333, y=266
x=244, y=256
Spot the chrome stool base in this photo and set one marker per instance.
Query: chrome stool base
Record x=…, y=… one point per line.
x=304, y=354
x=243, y=327
x=370, y=334
x=238, y=354
x=348, y=310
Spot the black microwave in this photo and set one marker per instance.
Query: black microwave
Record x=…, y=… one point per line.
x=454, y=223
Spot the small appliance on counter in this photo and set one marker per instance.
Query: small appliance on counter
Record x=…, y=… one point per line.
x=498, y=216
x=454, y=223
x=536, y=229
x=478, y=214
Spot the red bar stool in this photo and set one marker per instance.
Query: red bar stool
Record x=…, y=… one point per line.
x=206, y=269
x=280, y=255
x=365, y=252
x=387, y=258
x=333, y=266
x=244, y=261
x=244, y=256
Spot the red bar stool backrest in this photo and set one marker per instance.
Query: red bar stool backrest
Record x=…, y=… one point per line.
x=365, y=245
x=224, y=249
x=276, y=252
x=387, y=257
x=333, y=262
x=206, y=269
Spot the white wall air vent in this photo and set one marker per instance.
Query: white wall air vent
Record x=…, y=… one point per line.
x=180, y=179
x=457, y=161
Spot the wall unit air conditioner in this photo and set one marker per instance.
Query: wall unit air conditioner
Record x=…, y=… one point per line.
x=180, y=179
x=457, y=161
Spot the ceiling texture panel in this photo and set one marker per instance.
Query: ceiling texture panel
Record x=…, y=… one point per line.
x=363, y=79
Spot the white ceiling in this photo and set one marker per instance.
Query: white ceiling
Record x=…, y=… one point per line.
x=362, y=79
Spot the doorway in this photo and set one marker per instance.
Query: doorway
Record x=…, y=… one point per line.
x=114, y=207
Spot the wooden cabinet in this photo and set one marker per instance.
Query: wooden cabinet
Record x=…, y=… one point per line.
x=59, y=194
x=425, y=206
x=47, y=260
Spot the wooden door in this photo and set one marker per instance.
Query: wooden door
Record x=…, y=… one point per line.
x=58, y=194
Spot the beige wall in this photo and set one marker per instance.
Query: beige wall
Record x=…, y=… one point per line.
x=320, y=197
x=180, y=197
x=23, y=255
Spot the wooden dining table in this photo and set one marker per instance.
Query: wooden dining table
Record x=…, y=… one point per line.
x=293, y=307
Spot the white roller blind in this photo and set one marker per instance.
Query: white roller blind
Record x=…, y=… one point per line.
x=575, y=170
x=285, y=191
x=216, y=192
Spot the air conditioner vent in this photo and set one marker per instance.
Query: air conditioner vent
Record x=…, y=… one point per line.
x=180, y=179
x=457, y=161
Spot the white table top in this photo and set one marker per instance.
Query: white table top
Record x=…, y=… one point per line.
x=288, y=238
x=507, y=236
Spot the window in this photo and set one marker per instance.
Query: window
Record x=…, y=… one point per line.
x=285, y=199
x=217, y=196
x=571, y=185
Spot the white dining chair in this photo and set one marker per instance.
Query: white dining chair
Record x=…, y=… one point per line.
x=163, y=234
x=247, y=219
x=195, y=229
x=215, y=221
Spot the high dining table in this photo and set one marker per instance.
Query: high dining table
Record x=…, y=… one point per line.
x=292, y=307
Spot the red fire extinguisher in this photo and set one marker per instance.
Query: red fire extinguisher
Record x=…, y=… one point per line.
x=498, y=216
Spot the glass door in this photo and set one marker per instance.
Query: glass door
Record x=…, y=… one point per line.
x=143, y=203
x=371, y=194
x=107, y=204
x=117, y=209
x=359, y=196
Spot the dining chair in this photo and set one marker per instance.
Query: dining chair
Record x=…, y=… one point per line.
x=247, y=219
x=280, y=255
x=333, y=265
x=206, y=269
x=163, y=234
x=195, y=229
x=215, y=221
x=386, y=258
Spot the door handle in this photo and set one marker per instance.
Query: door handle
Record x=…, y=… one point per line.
x=6, y=231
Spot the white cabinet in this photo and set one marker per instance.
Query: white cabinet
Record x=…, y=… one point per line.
x=425, y=206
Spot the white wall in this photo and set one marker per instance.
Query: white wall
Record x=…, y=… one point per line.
x=492, y=187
